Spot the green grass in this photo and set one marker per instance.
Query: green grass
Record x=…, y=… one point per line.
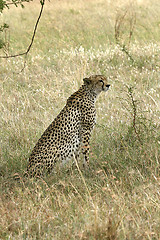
x=118, y=197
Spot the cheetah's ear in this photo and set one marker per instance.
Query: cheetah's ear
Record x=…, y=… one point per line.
x=86, y=81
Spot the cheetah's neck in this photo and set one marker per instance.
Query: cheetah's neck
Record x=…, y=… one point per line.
x=90, y=92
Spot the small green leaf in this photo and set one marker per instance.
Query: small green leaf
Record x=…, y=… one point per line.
x=1, y=44
x=42, y=2
x=2, y=4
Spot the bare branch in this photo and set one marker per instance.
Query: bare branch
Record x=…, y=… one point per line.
x=33, y=36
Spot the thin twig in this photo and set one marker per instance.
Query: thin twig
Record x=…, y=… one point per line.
x=33, y=36
x=16, y=3
x=24, y=65
x=124, y=49
x=118, y=24
x=134, y=113
x=132, y=25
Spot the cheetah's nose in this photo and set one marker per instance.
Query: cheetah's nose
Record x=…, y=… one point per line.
x=108, y=85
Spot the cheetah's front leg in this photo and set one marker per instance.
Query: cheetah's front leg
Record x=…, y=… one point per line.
x=86, y=134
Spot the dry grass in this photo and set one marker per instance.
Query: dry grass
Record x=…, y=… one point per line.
x=118, y=197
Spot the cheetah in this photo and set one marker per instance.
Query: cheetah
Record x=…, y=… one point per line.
x=70, y=132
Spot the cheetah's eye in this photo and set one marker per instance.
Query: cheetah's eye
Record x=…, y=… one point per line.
x=101, y=81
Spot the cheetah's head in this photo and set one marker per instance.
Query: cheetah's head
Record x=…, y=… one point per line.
x=97, y=83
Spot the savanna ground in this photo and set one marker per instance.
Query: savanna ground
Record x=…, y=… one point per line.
x=118, y=197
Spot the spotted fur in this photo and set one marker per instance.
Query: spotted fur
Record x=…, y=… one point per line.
x=70, y=131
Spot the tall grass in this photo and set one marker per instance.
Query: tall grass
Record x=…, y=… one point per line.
x=118, y=197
